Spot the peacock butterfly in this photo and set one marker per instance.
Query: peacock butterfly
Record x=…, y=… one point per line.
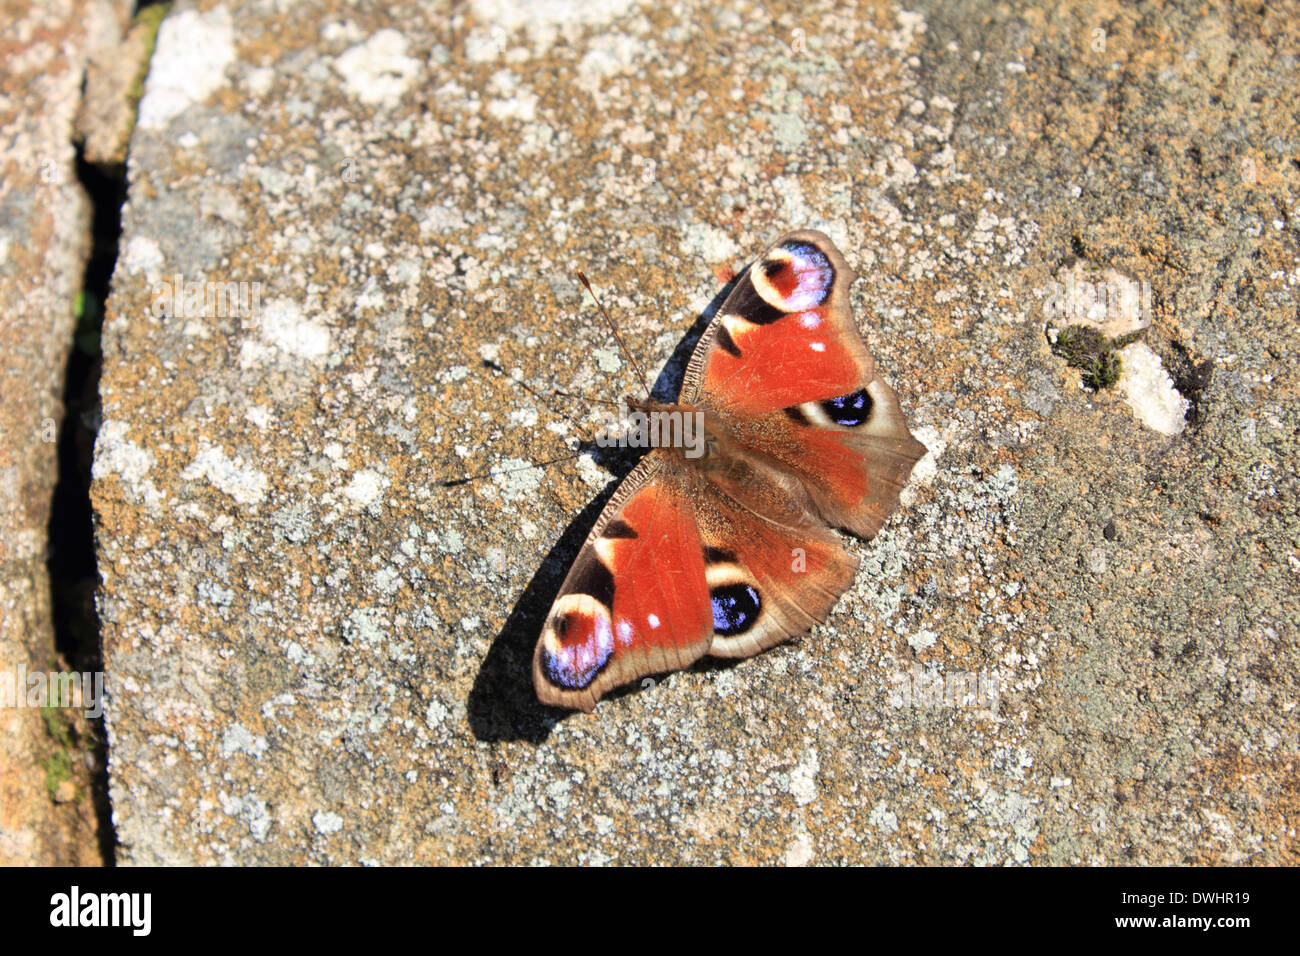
x=730, y=551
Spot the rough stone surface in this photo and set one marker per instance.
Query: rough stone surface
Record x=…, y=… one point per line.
x=44, y=242
x=1075, y=643
x=118, y=60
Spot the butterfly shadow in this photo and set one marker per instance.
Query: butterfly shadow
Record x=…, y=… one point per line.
x=502, y=704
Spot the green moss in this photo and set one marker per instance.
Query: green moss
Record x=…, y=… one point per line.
x=89, y=320
x=149, y=19
x=58, y=765
x=1085, y=348
x=57, y=726
x=58, y=768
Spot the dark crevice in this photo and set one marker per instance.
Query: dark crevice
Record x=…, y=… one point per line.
x=74, y=576
x=73, y=570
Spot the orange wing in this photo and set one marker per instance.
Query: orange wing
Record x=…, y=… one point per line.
x=636, y=600
x=785, y=368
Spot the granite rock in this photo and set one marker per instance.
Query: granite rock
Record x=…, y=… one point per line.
x=1074, y=643
x=47, y=814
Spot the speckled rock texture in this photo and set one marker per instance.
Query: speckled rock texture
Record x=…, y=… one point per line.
x=1076, y=642
x=44, y=243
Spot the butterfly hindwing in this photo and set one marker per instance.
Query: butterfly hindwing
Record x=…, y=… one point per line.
x=768, y=581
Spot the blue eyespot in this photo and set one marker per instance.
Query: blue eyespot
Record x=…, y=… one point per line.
x=735, y=609
x=849, y=410
x=804, y=280
x=584, y=648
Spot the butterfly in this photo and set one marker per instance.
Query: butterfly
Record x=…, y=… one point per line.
x=724, y=546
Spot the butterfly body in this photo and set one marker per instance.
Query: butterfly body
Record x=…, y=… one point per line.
x=724, y=546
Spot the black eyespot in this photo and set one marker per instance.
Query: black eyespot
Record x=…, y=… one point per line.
x=849, y=410
x=724, y=341
x=593, y=578
x=735, y=609
x=750, y=306
x=714, y=555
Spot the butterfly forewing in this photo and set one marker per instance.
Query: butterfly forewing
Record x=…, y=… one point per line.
x=834, y=424
x=635, y=601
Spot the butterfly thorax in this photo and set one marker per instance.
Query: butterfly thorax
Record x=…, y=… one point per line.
x=689, y=433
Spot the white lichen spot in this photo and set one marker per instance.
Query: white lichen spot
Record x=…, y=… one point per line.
x=441, y=219
x=800, y=852
x=284, y=326
x=794, y=205
x=609, y=55
x=592, y=474
x=922, y=640
x=883, y=818
x=364, y=626
x=116, y=455
x=516, y=100
x=435, y=713
x=803, y=779
x=1149, y=390
x=543, y=19
x=789, y=129
x=327, y=822
x=910, y=24
x=517, y=478
x=188, y=65
x=258, y=80
x=450, y=541
x=708, y=243
x=378, y=71
x=388, y=579
x=239, y=739
x=143, y=255
x=251, y=810
x=364, y=488
x=607, y=360
x=245, y=484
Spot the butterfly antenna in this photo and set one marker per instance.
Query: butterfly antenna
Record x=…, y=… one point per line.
x=456, y=482
x=466, y=479
x=584, y=398
x=488, y=363
x=617, y=338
